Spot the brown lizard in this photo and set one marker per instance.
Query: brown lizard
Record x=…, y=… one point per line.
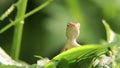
x=72, y=33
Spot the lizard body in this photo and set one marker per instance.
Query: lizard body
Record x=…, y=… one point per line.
x=72, y=33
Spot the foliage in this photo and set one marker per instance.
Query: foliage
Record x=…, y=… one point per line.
x=99, y=38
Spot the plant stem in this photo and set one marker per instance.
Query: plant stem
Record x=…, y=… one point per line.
x=15, y=49
x=25, y=16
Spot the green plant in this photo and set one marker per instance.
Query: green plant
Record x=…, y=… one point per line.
x=19, y=24
x=85, y=56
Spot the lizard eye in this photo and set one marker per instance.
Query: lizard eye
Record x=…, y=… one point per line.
x=70, y=24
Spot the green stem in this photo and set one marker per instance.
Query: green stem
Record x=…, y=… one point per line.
x=25, y=16
x=15, y=49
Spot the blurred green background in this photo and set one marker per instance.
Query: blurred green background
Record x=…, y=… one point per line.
x=44, y=32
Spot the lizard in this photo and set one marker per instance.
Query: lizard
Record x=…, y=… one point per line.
x=72, y=33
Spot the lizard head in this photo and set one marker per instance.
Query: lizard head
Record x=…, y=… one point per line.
x=72, y=31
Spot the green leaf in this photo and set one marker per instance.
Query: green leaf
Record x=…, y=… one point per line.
x=110, y=34
x=7, y=12
x=84, y=63
x=63, y=63
x=107, y=27
x=82, y=52
x=50, y=65
x=81, y=57
x=39, y=57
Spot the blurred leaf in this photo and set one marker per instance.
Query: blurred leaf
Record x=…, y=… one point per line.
x=107, y=30
x=50, y=65
x=10, y=66
x=8, y=12
x=110, y=12
x=110, y=34
x=32, y=66
x=117, y=37
x=42, y=62
x=39, y=57
x=104, y=61
x=5, y=59
x=118, y=55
